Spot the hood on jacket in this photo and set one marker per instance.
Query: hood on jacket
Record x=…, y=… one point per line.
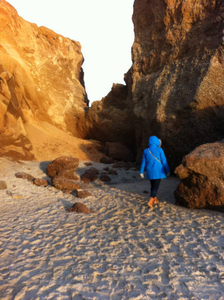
x=153, y=140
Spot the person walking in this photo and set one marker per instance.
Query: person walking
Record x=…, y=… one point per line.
x=155, y=162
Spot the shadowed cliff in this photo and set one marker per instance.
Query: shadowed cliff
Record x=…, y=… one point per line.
x=178, y=74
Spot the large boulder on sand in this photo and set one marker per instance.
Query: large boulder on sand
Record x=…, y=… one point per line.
x=64, y=184
x=62, y=163
x=202, y=178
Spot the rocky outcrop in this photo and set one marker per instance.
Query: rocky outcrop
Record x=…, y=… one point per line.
x=178, y=74
x=41, y=84
x=202, y=178
x=62, y=171
x=110, y=120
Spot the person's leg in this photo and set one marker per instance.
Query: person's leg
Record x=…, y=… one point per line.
x=154, y=189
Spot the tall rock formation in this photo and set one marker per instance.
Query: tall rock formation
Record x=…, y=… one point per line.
x=174, y=89
x=178, y=74
x=111, y=119
x=40, y=85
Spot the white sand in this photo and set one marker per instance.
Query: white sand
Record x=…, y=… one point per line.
x=122, y=251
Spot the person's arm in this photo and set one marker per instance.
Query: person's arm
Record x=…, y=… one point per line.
x=164, y=162
x=142, y=168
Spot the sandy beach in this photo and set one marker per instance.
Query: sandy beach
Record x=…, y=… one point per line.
x=121, y=251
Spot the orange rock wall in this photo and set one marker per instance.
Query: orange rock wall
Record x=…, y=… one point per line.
x=40, y=82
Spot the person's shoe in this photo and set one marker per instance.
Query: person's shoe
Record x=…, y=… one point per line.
x=156, y=201
x=150, y=203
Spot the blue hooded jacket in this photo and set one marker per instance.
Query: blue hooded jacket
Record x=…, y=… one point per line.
x=154, y=168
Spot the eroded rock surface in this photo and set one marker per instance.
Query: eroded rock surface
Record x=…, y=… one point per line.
x=110, y=120
x=63, y=166
x=64, y=184
x=41, y=86
x=178, y=74
x=202, y=178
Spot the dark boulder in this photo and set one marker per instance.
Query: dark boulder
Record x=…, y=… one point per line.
x=202, y=178
x=62, y=183
x=70, y=174
x=24, y=175
x=90, y=175
x=105, y=178
x=62, y=163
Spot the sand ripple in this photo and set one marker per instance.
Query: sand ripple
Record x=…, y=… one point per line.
x=122, y=251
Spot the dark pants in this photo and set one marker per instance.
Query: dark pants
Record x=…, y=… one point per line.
x=154, y=187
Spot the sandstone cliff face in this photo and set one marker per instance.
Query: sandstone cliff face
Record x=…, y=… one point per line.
x=178, y=74
x=40, y=84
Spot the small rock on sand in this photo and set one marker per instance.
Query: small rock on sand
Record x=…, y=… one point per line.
x=80, y=208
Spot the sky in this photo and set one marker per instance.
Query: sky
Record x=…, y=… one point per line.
x=104, y=29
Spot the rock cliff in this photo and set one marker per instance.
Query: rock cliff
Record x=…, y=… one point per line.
x=174, y=88
x=41, y=87
x=178, y=74
x=111, y=119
